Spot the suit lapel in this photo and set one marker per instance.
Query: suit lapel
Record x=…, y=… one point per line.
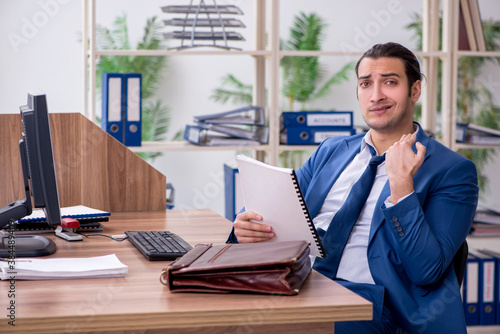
x=378, y=216
x=329, y=173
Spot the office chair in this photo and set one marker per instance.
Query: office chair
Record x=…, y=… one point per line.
x=460, y=262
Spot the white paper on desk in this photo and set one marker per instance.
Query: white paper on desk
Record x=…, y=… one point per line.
x=64, y=268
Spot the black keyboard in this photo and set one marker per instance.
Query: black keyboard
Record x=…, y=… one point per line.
x=158, y=245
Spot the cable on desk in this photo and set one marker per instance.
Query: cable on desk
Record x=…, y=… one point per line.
x=114, y=237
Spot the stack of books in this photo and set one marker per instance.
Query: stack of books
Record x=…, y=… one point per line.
x=470, y=28
x=239, y=127
x=486, y=223
x=312, y=127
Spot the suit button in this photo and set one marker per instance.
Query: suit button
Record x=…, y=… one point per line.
x=399, y=229
x=397, y=224
x=401, y=234
x=394, y=218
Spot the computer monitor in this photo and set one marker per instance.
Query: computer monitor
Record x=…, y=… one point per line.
x=40, y=183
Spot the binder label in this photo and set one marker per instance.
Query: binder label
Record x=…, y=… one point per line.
x=322, y=135
x=472, y=282
x=488, y=281
x=460, y=133
x=115, y=100
x=193, y=135
x=327, y=119
x=134, y=100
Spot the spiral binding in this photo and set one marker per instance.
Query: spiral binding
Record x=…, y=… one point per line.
x=317, y=240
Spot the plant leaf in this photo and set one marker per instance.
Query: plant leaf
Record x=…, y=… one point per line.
x=338, y=78
x=238, y=92
x=155, y=115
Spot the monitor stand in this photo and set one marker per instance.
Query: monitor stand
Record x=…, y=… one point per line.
x=13, y=245
x=26, y=246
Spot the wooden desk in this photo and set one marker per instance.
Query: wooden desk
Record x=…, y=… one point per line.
x=140, y=303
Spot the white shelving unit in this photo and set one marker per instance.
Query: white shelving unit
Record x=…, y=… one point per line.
x=269, y=57
x=450, y=118
x=260, y=54
x=455, y=145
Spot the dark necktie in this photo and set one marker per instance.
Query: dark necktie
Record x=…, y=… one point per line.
x=337, y=234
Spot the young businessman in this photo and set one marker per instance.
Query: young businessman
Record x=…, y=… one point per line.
x=417, y=214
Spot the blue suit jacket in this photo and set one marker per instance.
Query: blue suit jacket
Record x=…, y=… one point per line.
x=413, y=262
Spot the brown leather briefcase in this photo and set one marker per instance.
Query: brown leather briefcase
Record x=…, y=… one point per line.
x=271, y=267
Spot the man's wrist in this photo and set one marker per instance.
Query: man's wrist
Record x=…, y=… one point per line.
x=400, y=189
x=388, y=202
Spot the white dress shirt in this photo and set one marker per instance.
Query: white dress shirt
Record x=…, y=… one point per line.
x=354, y=262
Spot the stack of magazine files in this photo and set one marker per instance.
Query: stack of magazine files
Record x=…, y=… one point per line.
x=469, y=133
x=240, y=127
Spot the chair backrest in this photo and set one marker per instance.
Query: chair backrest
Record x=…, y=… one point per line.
x=460, y=262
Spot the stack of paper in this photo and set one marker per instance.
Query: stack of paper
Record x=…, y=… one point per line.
x=62, y=268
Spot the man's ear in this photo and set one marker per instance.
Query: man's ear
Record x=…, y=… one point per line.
x=416, y=90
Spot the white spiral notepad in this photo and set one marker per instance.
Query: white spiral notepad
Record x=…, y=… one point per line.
x=274, y=193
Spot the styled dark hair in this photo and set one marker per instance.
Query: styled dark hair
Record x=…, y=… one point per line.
x=395, y=50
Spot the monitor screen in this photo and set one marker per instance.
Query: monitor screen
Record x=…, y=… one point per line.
x=40, y=157
x=38, y=166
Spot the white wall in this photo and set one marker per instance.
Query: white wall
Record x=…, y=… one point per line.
x=40, y=48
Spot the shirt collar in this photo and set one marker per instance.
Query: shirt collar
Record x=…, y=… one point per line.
x=367, y=139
